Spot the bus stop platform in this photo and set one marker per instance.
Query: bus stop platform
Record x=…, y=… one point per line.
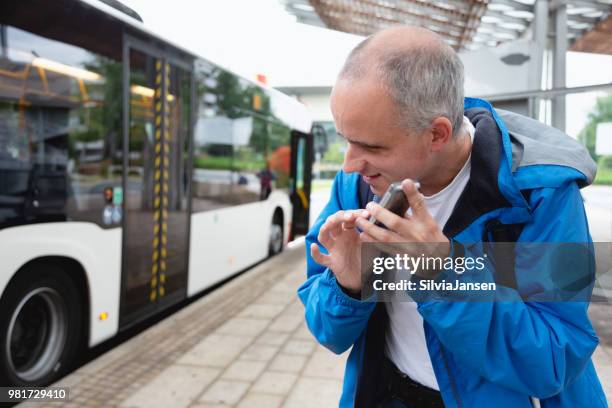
x=244, y=344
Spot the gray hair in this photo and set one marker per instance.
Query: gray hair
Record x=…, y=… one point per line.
x=425, y=82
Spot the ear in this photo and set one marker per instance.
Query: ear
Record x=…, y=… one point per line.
x=441, y=133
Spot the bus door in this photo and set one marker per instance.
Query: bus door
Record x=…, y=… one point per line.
x=157, y=103
x=301, y=177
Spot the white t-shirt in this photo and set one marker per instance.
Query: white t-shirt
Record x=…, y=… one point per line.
x=405, y=337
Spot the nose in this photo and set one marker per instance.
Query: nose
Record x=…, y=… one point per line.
x=353, y=162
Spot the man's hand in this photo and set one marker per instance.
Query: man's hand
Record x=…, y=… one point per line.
x=417, y=228
x=339, y=236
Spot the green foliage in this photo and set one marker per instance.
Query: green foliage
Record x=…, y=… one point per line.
x=89, y=135
x=604, y=176
x=210, y=162
x=601, y=113
x=226, y=163
x=335, y=153
x=138, y=135
x=605, y=162
x=107, y=121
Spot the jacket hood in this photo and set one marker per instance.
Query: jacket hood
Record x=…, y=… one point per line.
x=535, y=144
x=533, y=154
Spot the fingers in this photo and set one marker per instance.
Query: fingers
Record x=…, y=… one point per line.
x=329, y=230
x=325, y=238
x=350, y=217
x=318, y=256
x=415, y=198
x=337, y=223
x=390, y=220
x=371, y=232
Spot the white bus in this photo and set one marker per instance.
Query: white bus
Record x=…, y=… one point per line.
x=133, y=174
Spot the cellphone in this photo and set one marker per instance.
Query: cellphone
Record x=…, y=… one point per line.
x=393, y=200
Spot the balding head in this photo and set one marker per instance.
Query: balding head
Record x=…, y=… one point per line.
x=417, y=68
x=406, y=36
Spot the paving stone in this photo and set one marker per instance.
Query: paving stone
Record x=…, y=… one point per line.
x=67, y=405
x=259, y=352
x=288, y=363
x=275, y=298
x=254, y=400
x=285, y=287
x=603, y=365
x=272, y=338
x=95, y=403
x=303, y=333
x=177, y=386
x=274, y=383
x=216, y=350
x=70, y=381
x=243, y=327
x=225, y=392
x=296, y=276
x=244, y=370
x=264, y=311
x=300, y=347
x=286, y=323
x=111, y=356
x=314, y=393
x=295, y=308
x=325, y=364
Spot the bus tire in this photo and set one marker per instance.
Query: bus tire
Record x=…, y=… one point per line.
x=276, y=235
x=40, y=326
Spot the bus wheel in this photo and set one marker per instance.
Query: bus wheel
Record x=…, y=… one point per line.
x=40, y=327
x=276, y=236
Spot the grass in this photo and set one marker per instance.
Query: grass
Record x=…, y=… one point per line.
x=226, y=163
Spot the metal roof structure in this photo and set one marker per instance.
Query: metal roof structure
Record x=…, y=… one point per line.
x=465, y=25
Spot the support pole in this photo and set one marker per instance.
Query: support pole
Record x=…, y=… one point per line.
x=560, y=52
x=540, y=34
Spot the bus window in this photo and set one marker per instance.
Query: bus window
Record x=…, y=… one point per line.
x=60, y=121
x=212, y=142
x=241, y=152
x=279, y=154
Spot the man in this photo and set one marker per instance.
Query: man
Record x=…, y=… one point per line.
x=399, y=103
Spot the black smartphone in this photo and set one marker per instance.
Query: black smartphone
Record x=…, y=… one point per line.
x=393, y=200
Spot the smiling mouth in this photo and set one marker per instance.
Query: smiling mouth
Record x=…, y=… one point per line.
x=371, y=178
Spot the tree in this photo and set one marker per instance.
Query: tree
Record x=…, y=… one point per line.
x=601, y=113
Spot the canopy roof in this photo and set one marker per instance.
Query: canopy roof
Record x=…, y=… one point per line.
x=464, y=24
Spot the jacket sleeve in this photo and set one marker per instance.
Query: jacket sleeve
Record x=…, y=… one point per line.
x=335, y=319
x=536, y=348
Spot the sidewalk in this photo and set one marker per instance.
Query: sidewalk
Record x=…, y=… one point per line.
x=243, y=345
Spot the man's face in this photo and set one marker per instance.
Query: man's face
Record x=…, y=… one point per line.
x=378, y=148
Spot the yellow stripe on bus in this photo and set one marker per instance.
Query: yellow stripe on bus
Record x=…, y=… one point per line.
x=303, y=198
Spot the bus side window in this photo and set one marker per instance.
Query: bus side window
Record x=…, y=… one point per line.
x=60, y=143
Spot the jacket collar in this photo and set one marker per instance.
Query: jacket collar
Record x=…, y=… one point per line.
x=491, y=185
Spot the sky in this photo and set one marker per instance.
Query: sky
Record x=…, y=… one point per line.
x=253, y=37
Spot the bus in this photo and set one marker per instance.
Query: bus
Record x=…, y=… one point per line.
x=133, y=174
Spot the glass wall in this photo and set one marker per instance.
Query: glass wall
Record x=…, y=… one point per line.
x=60, y=132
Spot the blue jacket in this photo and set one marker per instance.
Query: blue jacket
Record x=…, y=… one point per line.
x=483, y=352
